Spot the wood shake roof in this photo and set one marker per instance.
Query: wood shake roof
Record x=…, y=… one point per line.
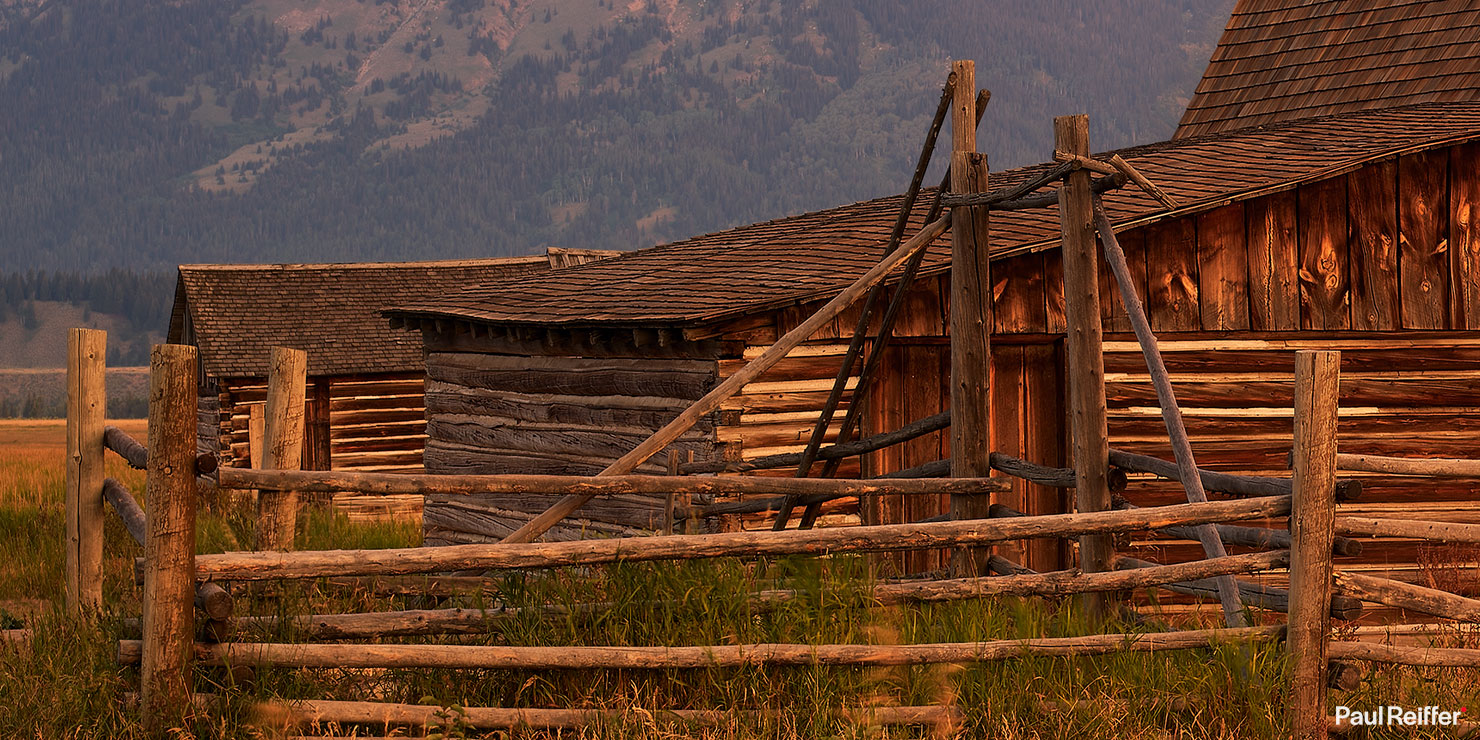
x=768, y=265
x=237, y=313
x=1281, y=60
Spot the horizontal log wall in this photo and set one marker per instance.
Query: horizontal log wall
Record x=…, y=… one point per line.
x=502, y=412
x=374, y=423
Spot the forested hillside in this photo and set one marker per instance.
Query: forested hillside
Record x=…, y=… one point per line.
x=145, y=133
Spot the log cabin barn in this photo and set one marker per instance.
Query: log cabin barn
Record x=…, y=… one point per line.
x=1338, y=211
x=364, y=397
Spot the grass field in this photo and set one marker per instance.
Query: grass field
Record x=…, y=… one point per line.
x=66, y=683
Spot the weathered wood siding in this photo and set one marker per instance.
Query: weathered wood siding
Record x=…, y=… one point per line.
x=492, y=412
x=366, y=423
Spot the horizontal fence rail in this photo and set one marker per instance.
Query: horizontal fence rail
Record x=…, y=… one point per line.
x=256, y=566
x=699, y=656
x=323, y=481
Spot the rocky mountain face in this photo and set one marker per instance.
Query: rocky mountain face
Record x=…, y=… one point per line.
x=145, y=133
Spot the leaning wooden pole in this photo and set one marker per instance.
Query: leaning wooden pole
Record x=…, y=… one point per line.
x=277, y=511
x=87, y=401
x=169, y=551
x=732, y=385
x=971, y=317
x=1088, y=424
x=1171, y=413
x=1312, y=528
x=860, y=332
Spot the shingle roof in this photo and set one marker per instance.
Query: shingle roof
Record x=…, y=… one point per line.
x=721, y=275
x=239, y=312
x=1281, y=60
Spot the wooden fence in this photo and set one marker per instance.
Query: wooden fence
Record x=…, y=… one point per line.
x=178, y=583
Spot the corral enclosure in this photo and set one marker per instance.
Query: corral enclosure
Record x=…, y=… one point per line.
x=1351, y=232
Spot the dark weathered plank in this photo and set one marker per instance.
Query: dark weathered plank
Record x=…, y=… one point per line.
x=687, y=379
x=1244, y=393
x=1423, y=240
x=1112, y=309
x=1044, y=444
x=925, y=367
x=1274, y=263
x=1019, y=303
x=1324, y=285
x=1053, y=291
x=1372, y=197
x=1223, y=269
x=484, y=432
x=622, y=411
x=1171, y=275
x=1464, y=234
x=1009, y=425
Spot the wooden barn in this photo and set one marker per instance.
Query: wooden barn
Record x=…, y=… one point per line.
x=1355, y=228
x=364, y=401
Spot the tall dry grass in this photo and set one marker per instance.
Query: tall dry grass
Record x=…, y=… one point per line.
x=66, y=683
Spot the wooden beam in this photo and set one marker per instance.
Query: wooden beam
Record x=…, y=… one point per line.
x=1439, y=467
x=1409, y=528
x=971, y=318
x=169, y=551
x=1171, y=413
x=1135, y=176
x=1407, y=596
x=732, y=385
x=324, y=481
x=87, y=402
x=378, y=625
x=1316, y=378
x=1258, y=595
x=700, y=656
x=865, y=315
x=318, y=712
x=1088, y=428
x=277, y=511
x=1433, y=657
x=257, y=566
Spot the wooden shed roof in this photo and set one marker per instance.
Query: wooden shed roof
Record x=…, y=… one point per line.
x=237, y=313
x=1281, y=60
x=768, y=265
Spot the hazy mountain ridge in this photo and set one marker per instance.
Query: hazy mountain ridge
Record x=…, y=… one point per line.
x=149, y=133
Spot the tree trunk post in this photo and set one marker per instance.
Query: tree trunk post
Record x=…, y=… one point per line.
x=1312, y=529
x=277, y=511
x=169, y=550
x=87, y=402
x=1089, y=432
x=971, y=317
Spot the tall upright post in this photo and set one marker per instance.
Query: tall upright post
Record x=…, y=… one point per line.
x=1089, y=433
x=87, y=401
x=277, y=511
x=169, y=548
x=971, y=316
x=1312, y=522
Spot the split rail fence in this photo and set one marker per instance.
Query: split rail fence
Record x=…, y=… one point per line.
x=177, y=582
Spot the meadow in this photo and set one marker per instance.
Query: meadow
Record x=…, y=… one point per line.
x=66, y=683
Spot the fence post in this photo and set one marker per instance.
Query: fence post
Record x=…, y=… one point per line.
x=1312, y=522
x=1087, y=415
x=87, y=402
x=169, y=549
x=277, y=511
x=971, y=319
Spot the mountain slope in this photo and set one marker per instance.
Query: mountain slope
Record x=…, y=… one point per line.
x=145, y=133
